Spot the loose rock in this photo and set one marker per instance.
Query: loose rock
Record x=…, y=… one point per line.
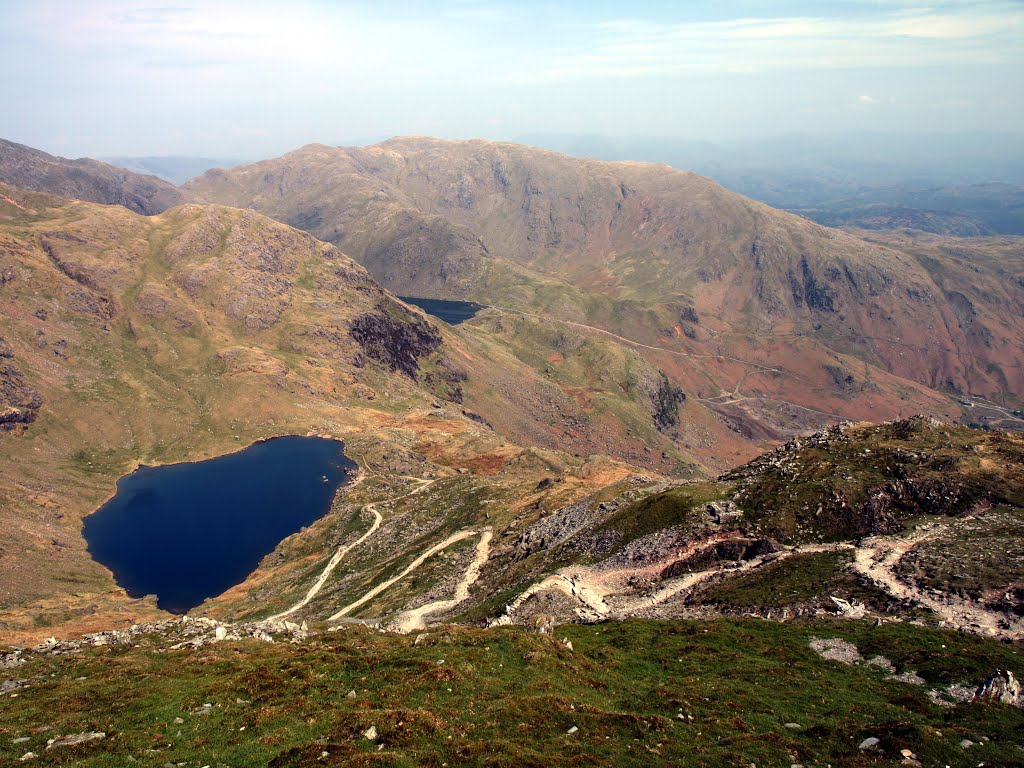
x=76, y=738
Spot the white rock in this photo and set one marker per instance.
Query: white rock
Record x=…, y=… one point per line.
x=370, y=733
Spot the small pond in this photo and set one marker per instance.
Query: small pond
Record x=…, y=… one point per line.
x=452, y=312
x=187, y=532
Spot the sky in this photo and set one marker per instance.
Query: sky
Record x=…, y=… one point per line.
x=252, y=79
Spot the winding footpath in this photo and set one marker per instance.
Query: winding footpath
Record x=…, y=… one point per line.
x=598, y=601
x=407, y=621
x=346, y=548
x=331, y=565
x=455, y=537
x=877, y=558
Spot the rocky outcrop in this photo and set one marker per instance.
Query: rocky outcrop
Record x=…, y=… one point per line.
x=555, y=529
x=666, y=400
x=399, y=345
x=855, y=480
x=1001, y=686
x=19, y=402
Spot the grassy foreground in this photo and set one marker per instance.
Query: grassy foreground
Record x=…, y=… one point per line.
x=637, y=693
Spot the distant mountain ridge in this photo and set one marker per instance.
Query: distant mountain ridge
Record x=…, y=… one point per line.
x=85, y=179
x=965, y=185
x=663, y=257
x=176, y=169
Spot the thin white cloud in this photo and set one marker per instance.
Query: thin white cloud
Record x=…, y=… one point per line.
x=907, y=38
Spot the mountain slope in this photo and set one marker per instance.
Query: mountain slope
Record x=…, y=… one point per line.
x=130, y=339
x=85, y=179
x=662, y=257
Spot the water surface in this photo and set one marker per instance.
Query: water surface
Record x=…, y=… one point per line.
x=186, y=532
x=452, y=312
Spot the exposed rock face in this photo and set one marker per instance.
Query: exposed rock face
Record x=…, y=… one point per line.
x=666, y=401
x=85, y=179
x=731, y=550
x=1001, y=686
x=19, y=402
x=555, y=529
x=399, y=345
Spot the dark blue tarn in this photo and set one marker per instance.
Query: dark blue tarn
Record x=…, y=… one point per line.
x=187, y=532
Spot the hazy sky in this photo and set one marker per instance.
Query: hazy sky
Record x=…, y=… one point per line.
x=244, y=79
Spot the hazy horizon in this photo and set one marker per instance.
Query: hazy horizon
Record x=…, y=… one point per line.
x=247, y=80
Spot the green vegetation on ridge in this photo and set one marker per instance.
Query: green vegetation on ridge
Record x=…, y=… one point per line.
x=636, y=693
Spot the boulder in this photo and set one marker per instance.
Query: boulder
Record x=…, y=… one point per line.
x=1000, y=686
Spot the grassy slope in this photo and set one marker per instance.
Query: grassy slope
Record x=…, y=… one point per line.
x=805, y=579
x=814, y=491
x=504, y=698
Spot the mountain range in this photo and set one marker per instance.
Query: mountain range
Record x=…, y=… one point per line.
x=678, y=409
x=666, y=258
x=649, y=418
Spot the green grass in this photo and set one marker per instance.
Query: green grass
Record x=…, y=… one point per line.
x=508, y=698
x=677, y=506
x=800, y=579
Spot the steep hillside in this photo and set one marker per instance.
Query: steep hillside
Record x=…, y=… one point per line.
x=128, y=339
x=662, y=257
x=85, y=179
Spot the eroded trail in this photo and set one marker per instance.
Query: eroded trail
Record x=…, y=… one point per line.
x=331, y=565
x=598, y=599
x=346, y=548
x=455, y=537
x=407, y=621
x=876, y=559
x=593, y=605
